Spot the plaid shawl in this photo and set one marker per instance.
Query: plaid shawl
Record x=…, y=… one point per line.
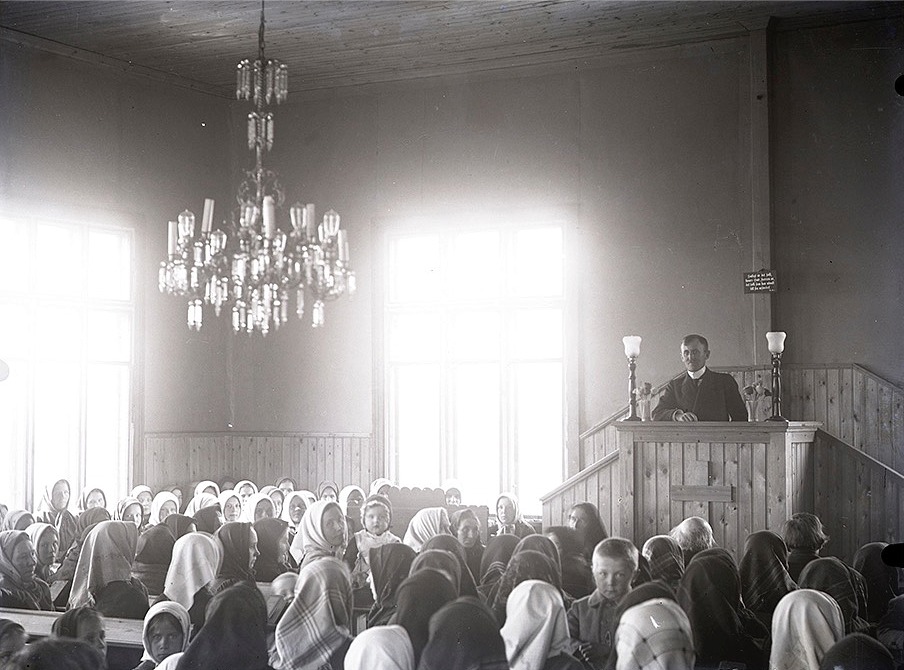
x=831, y=576
x=317, y=622
x=665, y=559
x=764, y=573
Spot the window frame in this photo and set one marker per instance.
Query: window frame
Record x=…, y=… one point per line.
x=384, y=229
x=84, y=219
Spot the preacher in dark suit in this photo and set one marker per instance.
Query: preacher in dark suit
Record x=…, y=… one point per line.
x=701, y=394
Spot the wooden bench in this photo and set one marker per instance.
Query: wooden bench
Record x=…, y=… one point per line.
x=37, y=624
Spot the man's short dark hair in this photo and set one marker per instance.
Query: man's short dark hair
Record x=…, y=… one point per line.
x=695, y=338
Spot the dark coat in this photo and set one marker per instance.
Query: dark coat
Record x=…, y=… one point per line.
x=715, y=398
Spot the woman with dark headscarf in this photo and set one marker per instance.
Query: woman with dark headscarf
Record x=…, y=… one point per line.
x=179, y=524
x=12, y=640
x=314, y=633
x=273, y=545
x=208, y=518
x=351, y=498
x=585, y=518
x=389, y=567
x=764, y=574
x=19, y=588
x=54, y=510
x=196, y=561
x=710, y=594
x=464, y=635
x=577, y=579
x=890, y=630
x=465, y=525
x=527, y=564
x=443, y=562
x=857, y=652
x=103, y=577
x=844, y=584
x=665, y=559
x=90, y=498
x=881, y=579
x=419, y=598
x=152, y=557
x=82, y=623
x=495, y=559
x=238, y=541
x=467, y=586
x=234, y=634
x=46, y=541
x=62, y=578
x=17, y=519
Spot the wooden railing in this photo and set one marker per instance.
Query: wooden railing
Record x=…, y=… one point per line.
x=852, y=403
x=858, y=498
x=600, y=484
x=309, y=458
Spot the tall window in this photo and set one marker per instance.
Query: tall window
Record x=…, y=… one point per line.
x=66, y=331
x=474, y=360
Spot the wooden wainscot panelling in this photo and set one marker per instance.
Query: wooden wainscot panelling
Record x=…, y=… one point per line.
x=598, y=484
x=738, y=476
x=309, y=458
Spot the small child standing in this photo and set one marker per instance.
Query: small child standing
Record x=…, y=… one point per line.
x=376, y=517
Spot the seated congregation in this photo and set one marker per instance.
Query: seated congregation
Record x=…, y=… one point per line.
x=280, y=578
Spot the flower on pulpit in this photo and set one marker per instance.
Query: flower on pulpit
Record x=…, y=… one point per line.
x=644, y=392
x=756, y=391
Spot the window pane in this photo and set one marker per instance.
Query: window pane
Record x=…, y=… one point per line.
x=477, y=431
x=59, y=333
x=62, y=266
x=107, y=429
x=475, y=336
x=538, y=431
x=15, y=335
x=537, y=262
x=56, y=423
x=414, y=337
x=414, y=269
x=109, y=336
x=109, y=260
x=416, y=424
x=13, y=433
x=474, y=265
x=15, y=270
x=536, y=333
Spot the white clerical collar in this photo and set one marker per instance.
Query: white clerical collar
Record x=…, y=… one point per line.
x=696, y=375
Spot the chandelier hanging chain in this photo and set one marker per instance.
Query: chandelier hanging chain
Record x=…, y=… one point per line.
x=249, y=262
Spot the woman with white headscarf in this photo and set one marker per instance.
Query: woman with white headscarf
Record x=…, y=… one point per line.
x=536, y=631
x=322, y=533
x=195, y=563
x=427, y=523
x=805, y=625
x=167, y=629
x=381, y=648
x=163, y=504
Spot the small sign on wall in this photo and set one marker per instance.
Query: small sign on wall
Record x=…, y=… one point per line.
x=762, y=281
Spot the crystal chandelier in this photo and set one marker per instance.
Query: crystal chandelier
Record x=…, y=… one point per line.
x=253, y=265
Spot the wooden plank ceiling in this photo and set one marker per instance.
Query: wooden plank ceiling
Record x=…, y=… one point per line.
x=333, y=43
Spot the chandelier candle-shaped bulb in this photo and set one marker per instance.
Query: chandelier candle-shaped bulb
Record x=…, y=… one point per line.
x=296, y=216
x=207, y=218
x=342, y=241
x=269, y=217
x=172, y=238
x=186, y=227
x=632, y=345
x=310, y=221
x=776, y=340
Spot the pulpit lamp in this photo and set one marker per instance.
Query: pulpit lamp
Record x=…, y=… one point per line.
x=632, y=351
x=776, y=342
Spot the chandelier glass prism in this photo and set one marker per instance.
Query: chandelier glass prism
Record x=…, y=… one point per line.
x=250, y=265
